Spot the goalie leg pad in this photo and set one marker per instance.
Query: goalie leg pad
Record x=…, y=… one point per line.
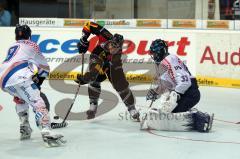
x=158, y=120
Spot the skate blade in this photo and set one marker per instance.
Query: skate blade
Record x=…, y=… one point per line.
x=22, y=138
x=90, y=117
x=25, y=136
x=48, y=145
x=137, y=120
x=210, y=123
x=55, y=143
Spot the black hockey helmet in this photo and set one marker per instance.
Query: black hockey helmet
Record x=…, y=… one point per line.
x=114, y=45
x=118, y=39
x=158, y=50
x=22, y=32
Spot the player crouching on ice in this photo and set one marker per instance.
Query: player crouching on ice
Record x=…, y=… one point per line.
x=178, y=92
x=16, y=78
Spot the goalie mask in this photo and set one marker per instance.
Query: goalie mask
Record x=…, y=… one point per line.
x=22, y=32
x=158, y=50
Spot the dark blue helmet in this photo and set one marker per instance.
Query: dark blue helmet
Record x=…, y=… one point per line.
x=158, y=50
x=22, y=32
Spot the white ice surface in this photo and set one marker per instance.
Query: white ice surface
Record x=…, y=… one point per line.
x=109, y=137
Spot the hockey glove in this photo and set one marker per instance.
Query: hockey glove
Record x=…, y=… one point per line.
x=38, y=80
x=82, y=46
x=152, y=95
x=117, y=38
x=80, y=80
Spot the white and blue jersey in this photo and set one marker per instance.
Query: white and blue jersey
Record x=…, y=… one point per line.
x=175, y=72
x=19, y=64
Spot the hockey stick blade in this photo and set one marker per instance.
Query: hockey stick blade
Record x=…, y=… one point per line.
x=58, y=125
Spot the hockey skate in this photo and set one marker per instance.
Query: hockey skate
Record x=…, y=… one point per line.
x=92, y=111
x=134, y=113
x=209, y=124
x=203, y=121
x=25, y=131
x=52, y=139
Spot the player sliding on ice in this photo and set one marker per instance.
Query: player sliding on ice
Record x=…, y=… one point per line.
x=105, y=62
x=16, y=78
x=178, y=92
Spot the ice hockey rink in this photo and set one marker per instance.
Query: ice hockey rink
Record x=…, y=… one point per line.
x=114, y=135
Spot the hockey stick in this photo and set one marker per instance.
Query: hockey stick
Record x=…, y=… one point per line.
x=64, y=123
x=144, y=118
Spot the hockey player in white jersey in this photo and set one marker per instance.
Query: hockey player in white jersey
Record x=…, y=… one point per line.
x=178, y=92
x=16, y=78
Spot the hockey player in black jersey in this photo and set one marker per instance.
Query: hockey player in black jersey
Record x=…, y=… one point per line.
x=105, y=62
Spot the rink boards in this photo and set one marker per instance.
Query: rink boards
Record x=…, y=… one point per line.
x=213, y=56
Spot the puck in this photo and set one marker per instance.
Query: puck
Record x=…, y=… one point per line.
x=56, y=117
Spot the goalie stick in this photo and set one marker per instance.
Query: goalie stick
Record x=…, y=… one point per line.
x=148, y=108
x=64, y=123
